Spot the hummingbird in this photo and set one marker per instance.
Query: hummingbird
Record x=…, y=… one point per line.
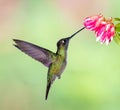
x=55, y=62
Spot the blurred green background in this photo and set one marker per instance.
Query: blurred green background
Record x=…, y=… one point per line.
x=91, y=80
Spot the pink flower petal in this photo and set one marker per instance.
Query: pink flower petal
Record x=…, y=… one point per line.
x=104, y=29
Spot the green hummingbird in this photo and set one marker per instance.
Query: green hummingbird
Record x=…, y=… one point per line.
x=56, y=62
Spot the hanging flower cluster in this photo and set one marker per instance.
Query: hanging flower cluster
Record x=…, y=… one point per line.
x=103, y=28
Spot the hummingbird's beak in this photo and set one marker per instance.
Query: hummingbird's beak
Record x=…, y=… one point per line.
x=75, y=33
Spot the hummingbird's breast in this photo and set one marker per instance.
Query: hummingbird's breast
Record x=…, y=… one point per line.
x=59, y=65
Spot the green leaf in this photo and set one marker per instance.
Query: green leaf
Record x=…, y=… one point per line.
x=117, y=27
x=117, y=38
x=117, y=19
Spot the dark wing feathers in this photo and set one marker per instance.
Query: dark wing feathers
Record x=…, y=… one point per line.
x=40, y=54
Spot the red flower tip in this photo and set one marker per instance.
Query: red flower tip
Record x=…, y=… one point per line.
x=104, y=28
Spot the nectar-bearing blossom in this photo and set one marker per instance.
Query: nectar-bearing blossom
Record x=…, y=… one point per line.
x=93, y=22
x=105, y=32
x=103, y=28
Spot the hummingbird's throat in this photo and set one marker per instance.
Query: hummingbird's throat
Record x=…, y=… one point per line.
x=62, y=51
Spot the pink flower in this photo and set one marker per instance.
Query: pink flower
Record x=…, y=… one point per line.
x=93, y=22
x=105, y=32
x=104, y=29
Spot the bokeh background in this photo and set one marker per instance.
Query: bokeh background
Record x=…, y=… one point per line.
x=91, y=80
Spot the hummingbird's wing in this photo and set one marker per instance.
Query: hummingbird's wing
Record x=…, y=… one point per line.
x=40, y=54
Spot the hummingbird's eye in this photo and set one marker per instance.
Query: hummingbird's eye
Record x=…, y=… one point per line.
x=63, y=41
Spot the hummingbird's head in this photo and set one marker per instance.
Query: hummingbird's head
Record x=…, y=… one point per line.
x=63, y=43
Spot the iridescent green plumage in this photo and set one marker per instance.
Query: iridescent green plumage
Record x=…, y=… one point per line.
x=56, y=62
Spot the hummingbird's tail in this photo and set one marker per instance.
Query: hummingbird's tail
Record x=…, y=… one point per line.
x=49, y=83
x=47, y=90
